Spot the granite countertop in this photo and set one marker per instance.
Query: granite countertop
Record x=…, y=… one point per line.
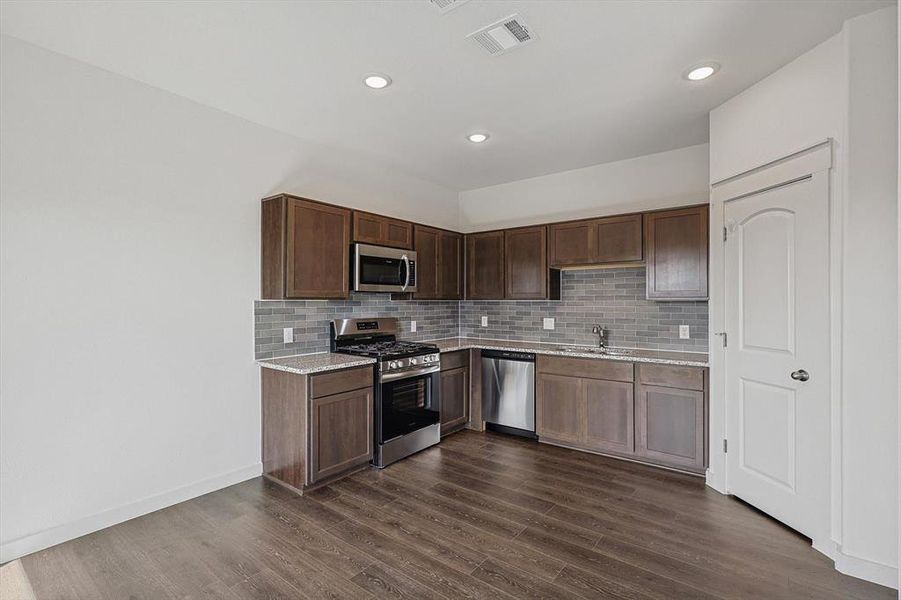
x=305, y=364
x=663, y=357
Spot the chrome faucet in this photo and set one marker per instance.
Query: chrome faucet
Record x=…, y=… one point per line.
x=602, y=335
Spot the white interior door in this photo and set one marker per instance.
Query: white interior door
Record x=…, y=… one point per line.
x=777, y=351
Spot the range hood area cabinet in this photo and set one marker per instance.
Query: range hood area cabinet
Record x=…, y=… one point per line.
x=439, y=255
x=510, y=264
x=382, y=231
x=305, y=250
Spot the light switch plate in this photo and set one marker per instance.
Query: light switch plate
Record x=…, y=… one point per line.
x=288, y=335
x=683, y=332
x=484, y=321
x=412, y=326
x=549, y=322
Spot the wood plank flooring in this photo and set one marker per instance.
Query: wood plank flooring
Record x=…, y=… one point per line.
x=480, y=516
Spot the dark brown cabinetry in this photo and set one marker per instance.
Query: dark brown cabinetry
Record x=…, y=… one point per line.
x=315, y=427
x=485, y=265
x=676, y=243
x=340, y=433
x=594, y=404
x=576, y=408
x=439, y=268
x=305, y=249
x=381, y=230
x=670, y=417
x=596, y=241
x=510, y=264
x=525, y=263
x=454, y=391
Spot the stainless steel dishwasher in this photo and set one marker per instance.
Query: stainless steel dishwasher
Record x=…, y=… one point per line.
x=508, y=392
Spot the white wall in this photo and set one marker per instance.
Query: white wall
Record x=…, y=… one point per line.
x=129, y=256
x=663, y=180
x=845, y=89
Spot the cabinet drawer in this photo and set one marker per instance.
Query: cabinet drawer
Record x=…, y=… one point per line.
x=454, y=360
x=686, y=378
x=593, y=368
x=336, y=382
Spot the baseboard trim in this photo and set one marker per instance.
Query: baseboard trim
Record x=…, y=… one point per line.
x=68, y=531
x=860, y=568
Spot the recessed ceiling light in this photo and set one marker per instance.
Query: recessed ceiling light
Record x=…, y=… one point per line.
x=701, y=71
x=477, y=138
x=377, y=81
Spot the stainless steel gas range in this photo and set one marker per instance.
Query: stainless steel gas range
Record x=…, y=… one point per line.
x=407, y=385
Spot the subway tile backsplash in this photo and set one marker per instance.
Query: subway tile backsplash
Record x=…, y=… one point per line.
x=614, y=298
x=310, y=319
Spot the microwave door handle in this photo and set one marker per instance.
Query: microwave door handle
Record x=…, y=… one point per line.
x=406, y=271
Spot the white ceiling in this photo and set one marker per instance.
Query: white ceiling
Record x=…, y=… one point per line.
x=603, y=83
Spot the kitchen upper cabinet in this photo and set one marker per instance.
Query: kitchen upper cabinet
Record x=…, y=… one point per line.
x=676, y=243
x=485, y=265
x=305, y=249
x=609, y=415
x=559, y=408
x=596, y=241
x=382, y=231
x=525, y=263
x=438, y=257
x=450, y=265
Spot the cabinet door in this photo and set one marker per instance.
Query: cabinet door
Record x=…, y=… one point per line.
x=671, y=426
x=382, y=231
x=676, y=248
x=317, y=250
x=485, y=265
x=454, y=399
x=609, y=420
x=559, y=408
x=618, y=239
x=340, y=432
x=428, y=269
x=572, y=243
x=525, y=256
x=450, y=253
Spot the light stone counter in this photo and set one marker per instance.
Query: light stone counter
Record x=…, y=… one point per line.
x=306, y=364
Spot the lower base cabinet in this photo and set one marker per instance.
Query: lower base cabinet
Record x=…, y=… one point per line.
x=340, y=433
x=316, y=427
x=454, y=391
x=652, y=413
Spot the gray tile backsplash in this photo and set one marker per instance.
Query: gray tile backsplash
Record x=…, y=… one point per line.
x=611, y=297
x=310, y=320
x=614, y=298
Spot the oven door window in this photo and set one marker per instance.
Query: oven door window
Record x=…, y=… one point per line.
x=407, y=405
x=376, y=270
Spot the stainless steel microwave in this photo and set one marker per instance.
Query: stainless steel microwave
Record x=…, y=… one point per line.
x=381, y=269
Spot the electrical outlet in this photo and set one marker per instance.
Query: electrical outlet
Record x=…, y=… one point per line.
x=549, y=322
x=412, y=326
x=484, y=321
x=683, y=332
x=288, y=335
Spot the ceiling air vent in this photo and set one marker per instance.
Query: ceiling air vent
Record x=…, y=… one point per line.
x=504, y=35
x=445, y=6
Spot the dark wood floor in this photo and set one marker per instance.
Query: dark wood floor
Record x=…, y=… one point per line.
x=480, y=516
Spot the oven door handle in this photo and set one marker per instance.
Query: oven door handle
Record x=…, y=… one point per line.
x=408, y=374
x=406, y=271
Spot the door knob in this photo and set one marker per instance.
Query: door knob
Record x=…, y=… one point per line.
x=800, y=375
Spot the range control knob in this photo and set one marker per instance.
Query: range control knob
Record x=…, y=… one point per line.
x=426, y=359
x=392, y=364
x=413, y=361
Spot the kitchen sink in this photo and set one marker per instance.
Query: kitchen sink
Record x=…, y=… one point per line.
x=594, y=350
